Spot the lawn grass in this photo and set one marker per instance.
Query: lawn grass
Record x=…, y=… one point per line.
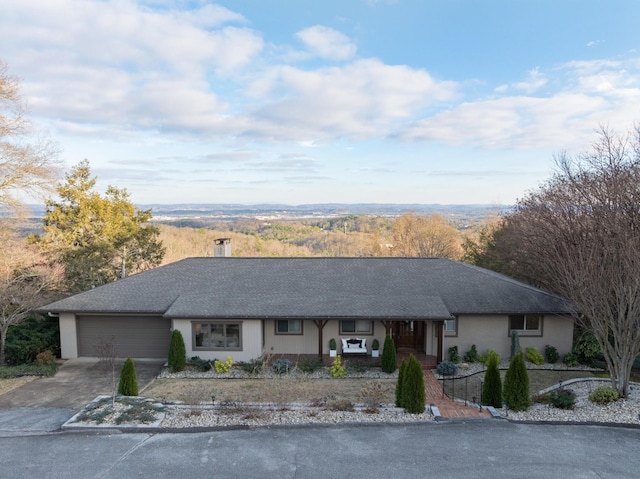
x=281, y=389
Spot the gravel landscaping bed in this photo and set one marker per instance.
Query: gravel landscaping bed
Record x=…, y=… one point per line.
x=227, y=414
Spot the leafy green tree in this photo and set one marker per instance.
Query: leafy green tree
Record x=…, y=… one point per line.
x=389, y=360
x=492, y=385
x=177, y=352
x=128, y=385
x=97, y=239
x=516, y=384
x=413, y=393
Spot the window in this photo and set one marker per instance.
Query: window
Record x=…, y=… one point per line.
x=288, y=326
x=450, y=326
x=526, y=323
x=217, y=335
x=359, y=326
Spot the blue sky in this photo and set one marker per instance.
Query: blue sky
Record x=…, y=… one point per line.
x=351, y=101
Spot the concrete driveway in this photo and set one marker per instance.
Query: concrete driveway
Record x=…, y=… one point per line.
x=46, y=403
x=77, y=382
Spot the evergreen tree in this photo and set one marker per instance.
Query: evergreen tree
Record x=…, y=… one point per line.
x=413, y=394
x=492, y=386
x=177, y=352
x=128, y=385
x=515, y=343
x=516, y=384
x=389, y=360
x=97, y=238
x=401, y=374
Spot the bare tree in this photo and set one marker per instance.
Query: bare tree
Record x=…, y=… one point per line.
x=25, y=283
x=26, y=161
x=425, y=237
x=107, y=354
x=580, y=237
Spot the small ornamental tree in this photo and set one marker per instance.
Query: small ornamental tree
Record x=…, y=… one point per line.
x=516, y=384
x=177, y=352
x=492, y=386
x=128, y=381
x=401, y=374
x=413, y=394
x=389, y=360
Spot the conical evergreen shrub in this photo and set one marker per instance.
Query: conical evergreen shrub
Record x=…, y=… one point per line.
x=492, y=386
x=128, y=385
x=389, y=361
x=413, y=394
x=177, y=352
x=401, y=374
x=516, y=384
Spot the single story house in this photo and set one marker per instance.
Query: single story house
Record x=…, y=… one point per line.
x=245, y=307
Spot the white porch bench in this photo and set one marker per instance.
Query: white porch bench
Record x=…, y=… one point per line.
x=354, y=346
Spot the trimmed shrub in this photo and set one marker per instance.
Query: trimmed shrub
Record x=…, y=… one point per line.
x=45, y=357
x=562, y=398
x=310, y=365
x=128, y=385
x=222, y=367
x=413, y=394
x=492, y=385
x=454, y=356
x=603, y=395
x=488, y=356
x=471, y=356
x=375, y=344
x=534, y=356
x=515, y=343
x=336, y=369
x=586, y=348
x=551, y=353
x=516, y=384
x=332, y=344
x=253, y=366
x=281, y=366
x=570, y=359
x=177, y=353
x=401, y=374
x=199, y=363
x=447, y=368
x=389, y=360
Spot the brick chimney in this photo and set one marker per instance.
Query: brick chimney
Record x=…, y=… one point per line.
x=222, y=247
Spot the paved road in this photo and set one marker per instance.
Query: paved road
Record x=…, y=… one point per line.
x=485, y=448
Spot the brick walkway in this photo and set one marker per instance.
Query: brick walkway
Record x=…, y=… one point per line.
x=448, y=408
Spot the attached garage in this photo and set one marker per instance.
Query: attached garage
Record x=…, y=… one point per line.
x=132, y=336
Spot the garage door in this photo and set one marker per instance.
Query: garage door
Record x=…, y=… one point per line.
x=137, y=336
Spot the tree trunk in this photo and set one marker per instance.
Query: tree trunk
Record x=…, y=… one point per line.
x=3, y=338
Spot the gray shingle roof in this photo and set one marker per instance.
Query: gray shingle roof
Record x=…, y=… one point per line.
x=429, y=288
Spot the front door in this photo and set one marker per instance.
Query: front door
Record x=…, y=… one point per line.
x=409, y=335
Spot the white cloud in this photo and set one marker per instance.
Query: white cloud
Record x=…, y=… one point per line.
x=362, y=99
x=591, y=93
x=327, y=43
x=533, y=83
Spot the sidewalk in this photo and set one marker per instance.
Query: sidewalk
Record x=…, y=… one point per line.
x=449, y=408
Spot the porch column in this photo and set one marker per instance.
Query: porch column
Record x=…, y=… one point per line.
x=320, y=323
x=387, y=327
x=440, y=340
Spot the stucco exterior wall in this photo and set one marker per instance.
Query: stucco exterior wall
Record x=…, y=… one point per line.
x=68, y=336
x=307, y=343
x=251, y=341
x=492, y=332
